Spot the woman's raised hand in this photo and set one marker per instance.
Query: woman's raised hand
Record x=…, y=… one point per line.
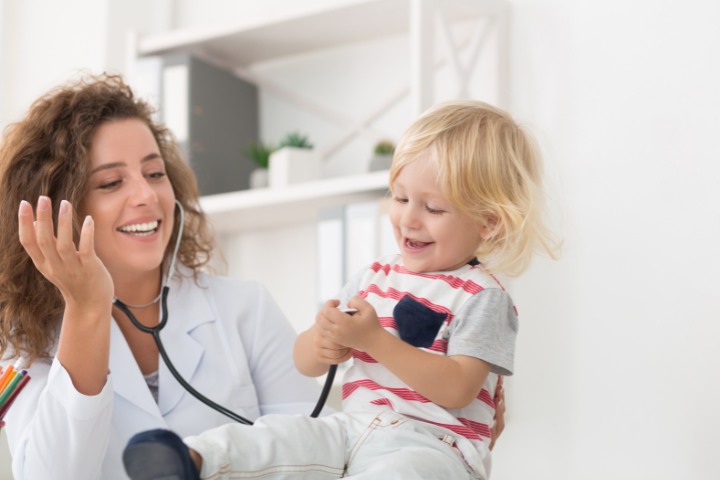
x=78, y=273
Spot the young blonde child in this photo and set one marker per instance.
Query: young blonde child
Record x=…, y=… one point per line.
x=431, y=332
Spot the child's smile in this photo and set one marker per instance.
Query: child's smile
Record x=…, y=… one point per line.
x=411, y=244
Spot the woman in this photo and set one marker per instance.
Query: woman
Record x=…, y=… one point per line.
x=109, y=186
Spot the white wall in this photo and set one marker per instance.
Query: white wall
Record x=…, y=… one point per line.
x=42, y=51
x=43, y=43
x=617, y=359
x=618, y=348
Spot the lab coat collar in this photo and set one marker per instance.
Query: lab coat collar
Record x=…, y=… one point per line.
x=188, y=307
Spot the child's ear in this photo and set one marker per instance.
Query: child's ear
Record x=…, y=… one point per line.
x=490, y=227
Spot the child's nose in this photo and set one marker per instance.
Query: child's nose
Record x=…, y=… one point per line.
x=410, y=217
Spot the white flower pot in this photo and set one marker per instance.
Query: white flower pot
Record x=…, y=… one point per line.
x=293, y=165
x=259, y=178
x=380, y=162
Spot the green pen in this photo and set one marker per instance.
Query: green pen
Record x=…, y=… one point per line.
x=11, y=387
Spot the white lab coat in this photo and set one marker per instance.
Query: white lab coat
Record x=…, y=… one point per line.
x=228, y=339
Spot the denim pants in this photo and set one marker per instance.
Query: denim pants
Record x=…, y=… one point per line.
x=363, y=446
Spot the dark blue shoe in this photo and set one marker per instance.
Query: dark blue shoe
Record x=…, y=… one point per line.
x=158, y=455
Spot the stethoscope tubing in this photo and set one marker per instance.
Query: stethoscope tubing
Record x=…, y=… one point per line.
x=155, y=332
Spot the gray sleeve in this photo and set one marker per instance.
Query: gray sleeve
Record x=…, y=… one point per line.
x=486, y=328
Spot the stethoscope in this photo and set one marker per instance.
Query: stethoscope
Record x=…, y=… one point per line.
x=155, y=332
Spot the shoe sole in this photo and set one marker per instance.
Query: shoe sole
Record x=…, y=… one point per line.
x=153, y=461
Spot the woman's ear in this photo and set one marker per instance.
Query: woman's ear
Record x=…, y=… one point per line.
x=490, y=227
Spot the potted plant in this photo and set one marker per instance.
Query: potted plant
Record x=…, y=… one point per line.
x=259, y=153
x=295, y=140
x=382, y=157
x=294, y=161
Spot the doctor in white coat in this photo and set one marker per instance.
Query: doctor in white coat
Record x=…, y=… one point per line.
x=106, y=179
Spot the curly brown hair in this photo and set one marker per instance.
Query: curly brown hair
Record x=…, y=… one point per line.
x=46, y=153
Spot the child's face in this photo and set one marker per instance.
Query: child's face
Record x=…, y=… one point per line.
x=431, y=234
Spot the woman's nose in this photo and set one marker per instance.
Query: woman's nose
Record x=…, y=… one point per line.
x=143, y=193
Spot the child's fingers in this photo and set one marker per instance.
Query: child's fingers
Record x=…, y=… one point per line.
x=26, y=232
x=332, y=303
x=358, y=303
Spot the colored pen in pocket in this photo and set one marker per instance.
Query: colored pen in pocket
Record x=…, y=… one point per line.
x=12, y=391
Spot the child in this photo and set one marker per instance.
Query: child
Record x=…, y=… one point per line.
x=432, y=330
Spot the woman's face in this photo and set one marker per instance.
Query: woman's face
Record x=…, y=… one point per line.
x=129, y=198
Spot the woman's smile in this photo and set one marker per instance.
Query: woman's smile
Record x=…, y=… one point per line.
x=141, y=229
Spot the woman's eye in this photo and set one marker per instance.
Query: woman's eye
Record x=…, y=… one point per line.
x=401, y=200
x=110, y=185
x=157, y=175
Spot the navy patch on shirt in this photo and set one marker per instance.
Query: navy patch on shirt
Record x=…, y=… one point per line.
x=417, y=324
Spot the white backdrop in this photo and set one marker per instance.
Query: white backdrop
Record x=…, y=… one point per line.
x=616, y=372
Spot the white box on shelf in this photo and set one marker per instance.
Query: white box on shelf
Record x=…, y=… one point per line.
x=291, y=165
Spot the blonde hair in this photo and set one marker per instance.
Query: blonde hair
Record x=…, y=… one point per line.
x=488, y=168
x=46, y=153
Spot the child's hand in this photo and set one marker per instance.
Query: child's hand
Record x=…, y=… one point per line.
x=328, y=351
x=355, y=330
x=331, y=353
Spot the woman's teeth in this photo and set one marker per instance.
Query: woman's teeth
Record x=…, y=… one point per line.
x=141, y=228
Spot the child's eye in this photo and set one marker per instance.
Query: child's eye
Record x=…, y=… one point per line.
x=401, y=199
x=434, y=211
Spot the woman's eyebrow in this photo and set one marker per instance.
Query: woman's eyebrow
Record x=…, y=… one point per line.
x=106, y=166
x=151, y=156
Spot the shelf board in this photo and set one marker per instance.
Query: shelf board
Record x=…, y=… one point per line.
x=252, y=40
x=267, y=208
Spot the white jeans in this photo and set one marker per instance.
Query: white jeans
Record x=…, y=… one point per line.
x=372, y=446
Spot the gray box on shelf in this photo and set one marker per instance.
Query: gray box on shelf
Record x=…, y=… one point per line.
x=221, y=120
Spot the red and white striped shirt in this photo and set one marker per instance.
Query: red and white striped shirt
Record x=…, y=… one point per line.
x=460, y=312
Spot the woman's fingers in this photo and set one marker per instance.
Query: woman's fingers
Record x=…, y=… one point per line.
x=65, y=244
x=26, y=232
x=44, y=231
x=78, y=273
x=86, y=246
x=500, y=409
x=53, y=254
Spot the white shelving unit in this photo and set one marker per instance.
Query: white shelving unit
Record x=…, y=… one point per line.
x=249, y=41
x=252, y=40
x=264, y=208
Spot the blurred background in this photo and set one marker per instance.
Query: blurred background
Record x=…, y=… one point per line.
x=617, y=359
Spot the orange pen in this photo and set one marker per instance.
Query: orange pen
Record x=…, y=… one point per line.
x=6, y=377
